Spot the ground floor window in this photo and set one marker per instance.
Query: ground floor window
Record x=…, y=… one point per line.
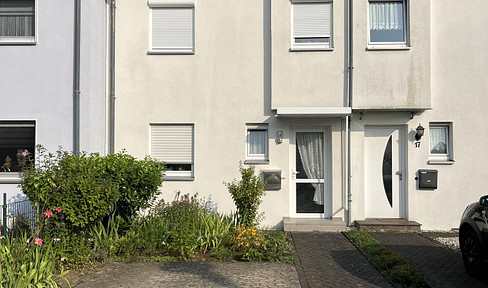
x=17, y=144
x=440, y=141
x=173, y=144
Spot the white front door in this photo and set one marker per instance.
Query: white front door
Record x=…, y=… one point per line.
x=383, y=172
x=309, y=163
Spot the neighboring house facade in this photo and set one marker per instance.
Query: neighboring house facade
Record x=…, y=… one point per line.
x=37, y=81
x=324, y=96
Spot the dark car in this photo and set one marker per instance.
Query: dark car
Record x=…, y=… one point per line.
x=473, y=236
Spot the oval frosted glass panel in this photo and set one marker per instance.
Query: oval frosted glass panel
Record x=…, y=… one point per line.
x=387, y=172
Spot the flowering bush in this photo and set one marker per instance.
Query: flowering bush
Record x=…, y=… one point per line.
x=248, y=243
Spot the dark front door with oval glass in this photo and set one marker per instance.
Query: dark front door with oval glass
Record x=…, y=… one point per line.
x=383, y=172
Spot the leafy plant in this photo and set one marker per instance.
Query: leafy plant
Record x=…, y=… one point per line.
x=277, y=248
x=249, y=244
x=138, y=181
x=87, y=187
x=24, y=264
x=105, y=238
x=72, y=183
x=247, y=194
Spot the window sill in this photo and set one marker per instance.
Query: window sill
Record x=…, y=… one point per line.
x=256, y=162
x=178, y=178
x=12, y=42
x=441, y=162
x=305, y=49
x=387, y=47
x=170, y=52
x=9, y=178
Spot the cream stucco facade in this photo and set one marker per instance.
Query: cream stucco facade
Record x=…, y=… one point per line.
x=243, y=71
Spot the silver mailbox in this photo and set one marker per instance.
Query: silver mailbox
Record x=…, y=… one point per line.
x=272, y=179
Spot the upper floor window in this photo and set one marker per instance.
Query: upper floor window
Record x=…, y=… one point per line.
x=172, y=26
x=173, y=144
x=388, y=23
x=17, y=21
x=17, y=144
x=312, y=25
x=440, y=141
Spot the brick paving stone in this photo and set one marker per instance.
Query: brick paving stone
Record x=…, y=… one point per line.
x=441, y=266
x=192, y=274
x=330, y=260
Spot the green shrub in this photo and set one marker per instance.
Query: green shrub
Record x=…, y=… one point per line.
x=72, y=183
x=247, y=194
x=138, y=181
x=87, y=187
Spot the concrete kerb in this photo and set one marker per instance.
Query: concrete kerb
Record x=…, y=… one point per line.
x=298, y=264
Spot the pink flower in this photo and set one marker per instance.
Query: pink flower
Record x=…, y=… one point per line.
x=186, y=199
x=38, y=241
x=59, y=210
x=25, y=153
x=48, y=213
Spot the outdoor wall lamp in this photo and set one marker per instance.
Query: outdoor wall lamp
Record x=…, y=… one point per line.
x=420, y=132
x=279, y=136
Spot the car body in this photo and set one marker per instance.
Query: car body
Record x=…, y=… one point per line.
x=473, y=236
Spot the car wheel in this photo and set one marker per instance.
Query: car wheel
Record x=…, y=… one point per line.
x=472, y=252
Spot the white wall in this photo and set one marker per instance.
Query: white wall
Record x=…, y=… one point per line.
x=36, y=81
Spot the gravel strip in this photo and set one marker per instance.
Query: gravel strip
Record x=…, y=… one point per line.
x=451, y=242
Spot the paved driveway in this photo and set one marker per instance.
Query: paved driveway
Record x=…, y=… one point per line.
x=322, y=260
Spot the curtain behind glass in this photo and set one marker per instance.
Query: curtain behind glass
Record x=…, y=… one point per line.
x=438, y=140
x=311, y=148
x=257, y=142
x=17, y=18
x=386, y=15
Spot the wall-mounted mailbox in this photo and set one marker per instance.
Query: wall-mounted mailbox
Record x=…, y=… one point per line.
x=273, y=179
x=427, y=179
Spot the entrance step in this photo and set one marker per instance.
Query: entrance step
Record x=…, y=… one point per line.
x=313, y=224
x=388, y=225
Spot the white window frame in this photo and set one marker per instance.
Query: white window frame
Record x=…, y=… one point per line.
x=402, y=45
x=447, y=158
x=183, y=6
x=186, y=134
x=23, y=40
x=7, y=177
x=311, y=46
x=257, y=158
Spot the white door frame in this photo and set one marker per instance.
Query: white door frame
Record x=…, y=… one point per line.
x=400, y=173
x=327, y=173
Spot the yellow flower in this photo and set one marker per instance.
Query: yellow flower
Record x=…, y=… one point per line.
x=247, y=244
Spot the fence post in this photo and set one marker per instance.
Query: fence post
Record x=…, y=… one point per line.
x=4, y=220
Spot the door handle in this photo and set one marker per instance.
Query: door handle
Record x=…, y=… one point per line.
x=399, y=173
x=294, y=174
